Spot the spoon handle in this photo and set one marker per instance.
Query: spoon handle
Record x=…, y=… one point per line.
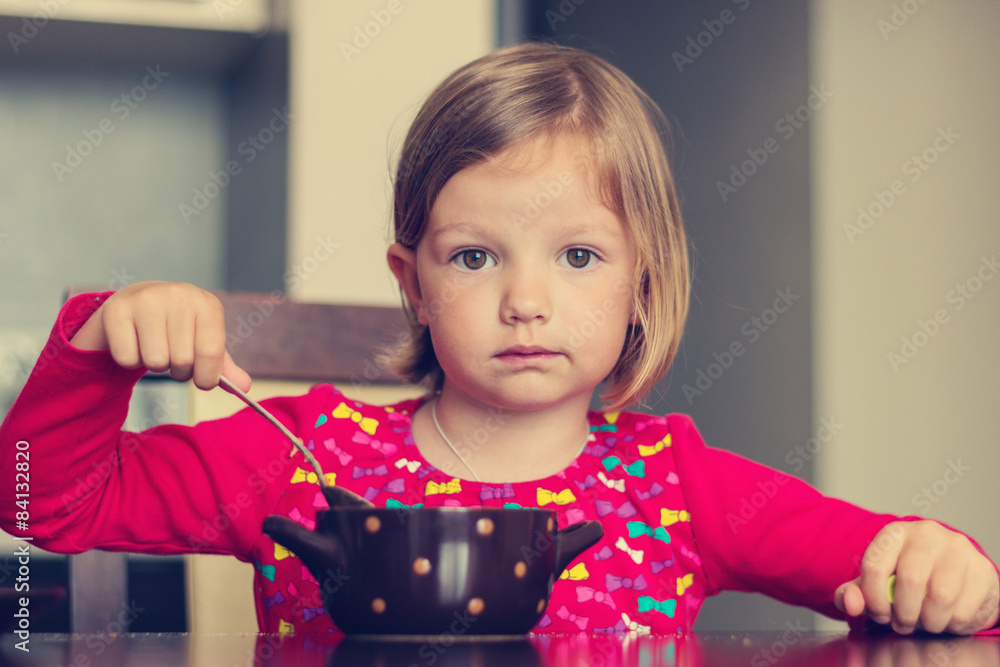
x=224, y=382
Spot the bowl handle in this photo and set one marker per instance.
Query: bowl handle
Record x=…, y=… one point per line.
x=317, y=551
x=574, y=540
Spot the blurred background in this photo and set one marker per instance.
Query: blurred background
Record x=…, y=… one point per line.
x=836, y=161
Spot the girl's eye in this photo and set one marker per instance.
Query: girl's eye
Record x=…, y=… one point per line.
x=474, y=259
x=579, y=258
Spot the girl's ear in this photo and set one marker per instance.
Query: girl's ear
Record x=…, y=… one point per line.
x=403, y=264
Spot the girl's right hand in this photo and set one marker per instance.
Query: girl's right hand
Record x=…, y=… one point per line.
x=164, y=326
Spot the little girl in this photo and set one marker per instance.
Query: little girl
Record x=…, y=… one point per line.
x=540, y=252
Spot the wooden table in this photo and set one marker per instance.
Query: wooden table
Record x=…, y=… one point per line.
x=756, y=649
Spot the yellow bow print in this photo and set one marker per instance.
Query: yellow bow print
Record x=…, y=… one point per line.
x=670, y=517
x=281, y=553
x=366, y=424
x=309, y=476
x=454, y=486
x=285, y=628
x=576, y=573
x=684, y=582
x=564, y=497
x=649, y=450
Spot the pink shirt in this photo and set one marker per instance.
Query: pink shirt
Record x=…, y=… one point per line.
x=682, y=521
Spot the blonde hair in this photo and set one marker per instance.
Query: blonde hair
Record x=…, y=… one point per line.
x=536, y=89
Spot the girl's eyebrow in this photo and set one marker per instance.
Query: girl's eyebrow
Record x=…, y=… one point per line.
x=454, y=227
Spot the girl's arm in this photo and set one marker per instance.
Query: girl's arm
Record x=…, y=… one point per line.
x=170, y=489
x=758, y=529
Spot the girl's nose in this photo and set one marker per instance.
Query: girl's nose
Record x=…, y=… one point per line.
x=525, y=298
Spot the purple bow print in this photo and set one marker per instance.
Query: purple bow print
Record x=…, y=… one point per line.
x=613, y=583
x=566, y=615
x=586, y=593
x=424, y=471
x=277, y=599
x=604, y=554
x=658, y=421
x=654, y=491
x=587, y=482
x=618, y=628
x=342, y=456
x=659, y=565
x=545, y=622
x=394, y=486
x=624, y=511
x=386, y=449
x=311, y=613
x=496, y=492
x=597, y=449
x=376, y=472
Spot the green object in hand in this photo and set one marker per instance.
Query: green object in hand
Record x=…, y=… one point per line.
x=891, y=589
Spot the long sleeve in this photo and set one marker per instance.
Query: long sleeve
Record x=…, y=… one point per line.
x=758, y=529
x=170, y=489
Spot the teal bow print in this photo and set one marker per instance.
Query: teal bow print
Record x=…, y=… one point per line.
x=637, y=528
x=512, y=506
x=604, y=427
x=392, y=503
x=667, y=607
x=637, y=469
x=267, y=570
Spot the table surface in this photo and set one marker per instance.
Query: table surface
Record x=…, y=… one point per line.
x=756, y=649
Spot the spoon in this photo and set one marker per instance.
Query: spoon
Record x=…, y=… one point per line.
x=335, y=496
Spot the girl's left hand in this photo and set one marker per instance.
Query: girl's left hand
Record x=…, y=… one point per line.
x=943, y=583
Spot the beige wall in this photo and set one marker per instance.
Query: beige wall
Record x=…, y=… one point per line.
x=896, y=93
x=351, y=114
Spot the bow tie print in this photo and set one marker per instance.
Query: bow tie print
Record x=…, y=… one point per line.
x=587, y=482
x=576, y=573
x=277, y=599
x=604, y=554
x=342, y=456
x=298, y=517
x=586, y=594
x=667, y=607
x=637, y=469
x=309, y=613
x=654, y=421
x=394, y=486
x=659, y=565
x=564, y=497
x=425, y=470
x=616, y=629
x=616, y=484
x=281, y=552
x=412, y=466
x=285, y=628
x=319, y=500
x=566, y=615
x=307, y=575
x=394, y=416
x=603, y=427
x=613, y=583
x=575, y=515
x=378, y=471
x=653, y=491
x=386, y=449
x=670, y=517
x=392, y=503
x=496, y=492
x=692, y=556
x=301, y=475
x=453, y=486
x=366, y=424
x=597, y=449
x=634, y=554
x=624, y=511
x=266, y=570
x=545, y=622
x=649, y=450
x=633, y=626
x=512, y=506
x=637, y=528
x=683, y=583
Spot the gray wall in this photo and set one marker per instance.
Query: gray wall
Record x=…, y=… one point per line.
x=746, y=248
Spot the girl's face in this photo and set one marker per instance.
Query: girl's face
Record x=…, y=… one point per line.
x=523, y=277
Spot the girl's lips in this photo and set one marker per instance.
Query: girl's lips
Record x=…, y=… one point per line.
x=524, y=356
